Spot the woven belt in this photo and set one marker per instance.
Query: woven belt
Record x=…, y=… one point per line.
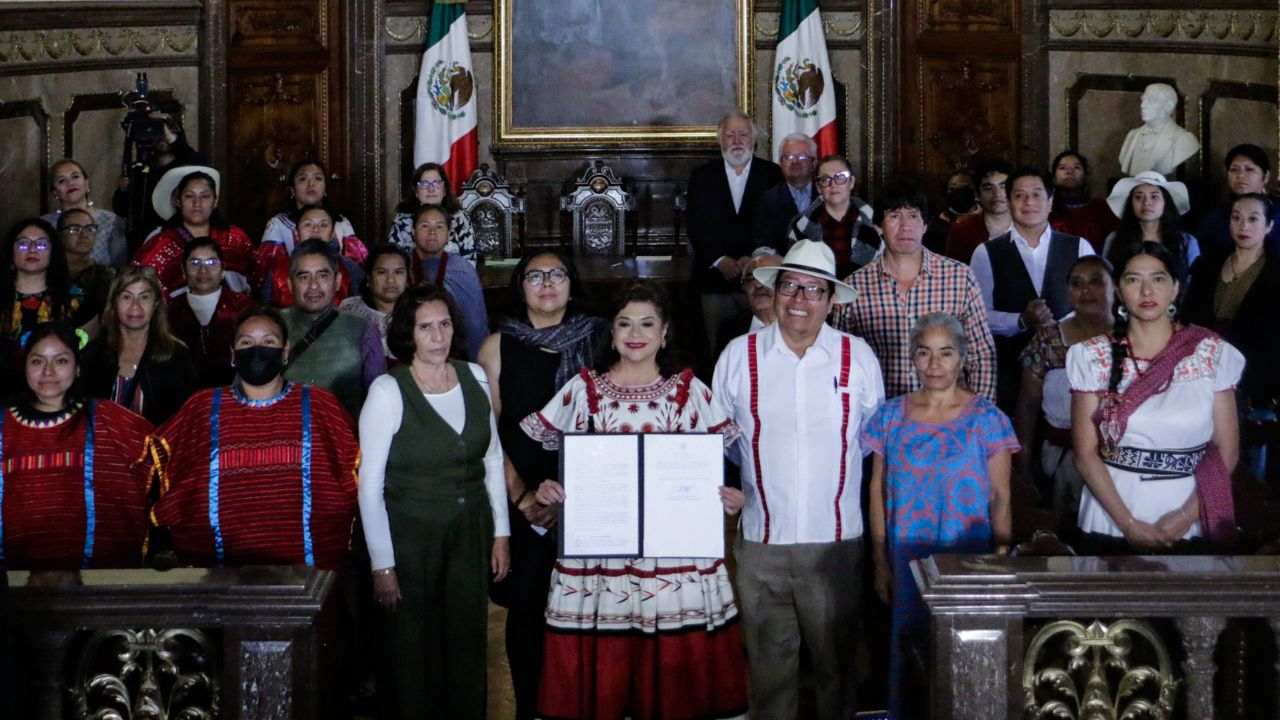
x=1156, y=464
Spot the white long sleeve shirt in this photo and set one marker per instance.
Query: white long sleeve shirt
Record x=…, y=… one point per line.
x=801, y=420
x=1035, y=259
x=379, y=423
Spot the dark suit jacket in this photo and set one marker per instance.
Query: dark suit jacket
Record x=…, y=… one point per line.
x=715, y=229
x=774, y=214
x=1253, y=330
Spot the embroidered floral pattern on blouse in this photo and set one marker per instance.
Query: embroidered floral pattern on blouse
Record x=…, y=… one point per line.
x=1203, y=363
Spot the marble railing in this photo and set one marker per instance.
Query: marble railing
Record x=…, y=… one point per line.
x=1059, y=637
x=186, y=643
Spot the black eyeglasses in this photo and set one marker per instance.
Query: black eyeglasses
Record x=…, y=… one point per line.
x=25, y=245
x=208, y=262
x=429, y=184
x=840, y=178
x=537, y=277
x=786, y=288
x=78, y=230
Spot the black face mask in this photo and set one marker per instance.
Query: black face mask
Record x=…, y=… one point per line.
x=259, y=364
x=961, y=200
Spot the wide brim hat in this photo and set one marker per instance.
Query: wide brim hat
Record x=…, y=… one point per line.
x=815, y=259
x=1120, y=193
x=162, y=196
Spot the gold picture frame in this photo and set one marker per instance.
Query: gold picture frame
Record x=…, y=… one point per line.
x=598, y=73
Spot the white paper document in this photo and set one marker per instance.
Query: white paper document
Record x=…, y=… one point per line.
x=601, y=478
x=653, y=495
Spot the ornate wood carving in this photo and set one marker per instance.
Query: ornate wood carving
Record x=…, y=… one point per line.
x=274, y=120
x=968, y=15
x=279, y=24
x=968, y=113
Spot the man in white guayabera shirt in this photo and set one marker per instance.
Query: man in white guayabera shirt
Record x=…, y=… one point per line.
x=801, y=391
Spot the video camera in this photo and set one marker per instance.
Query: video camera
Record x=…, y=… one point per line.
x=139, y=127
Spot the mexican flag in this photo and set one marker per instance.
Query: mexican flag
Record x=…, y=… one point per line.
x=804, y=94
x=446, y=127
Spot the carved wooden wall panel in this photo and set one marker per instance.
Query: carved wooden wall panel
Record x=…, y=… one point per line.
x=961, y=85
x=280, y=24
x=967, y=112
x=284, y=101
x=273, y=119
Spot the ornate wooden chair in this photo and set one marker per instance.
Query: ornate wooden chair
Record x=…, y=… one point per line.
x=598, y=205
x=494, y=211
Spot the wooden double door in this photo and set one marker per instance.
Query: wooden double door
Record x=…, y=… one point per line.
x=971, y=85
x=285, y=100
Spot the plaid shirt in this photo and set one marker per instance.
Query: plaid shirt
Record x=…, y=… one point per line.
x=884, y=318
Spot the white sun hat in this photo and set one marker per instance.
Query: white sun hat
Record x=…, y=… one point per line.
x=1119, y=196
x=162, y=196
x=811, y=258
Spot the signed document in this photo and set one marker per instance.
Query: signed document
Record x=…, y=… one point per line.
x=601, y=478
x=651, y=495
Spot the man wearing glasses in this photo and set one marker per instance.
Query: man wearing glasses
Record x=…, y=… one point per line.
x=798, y=157
x=721, y=210
x=203, y=315
x=800, y=391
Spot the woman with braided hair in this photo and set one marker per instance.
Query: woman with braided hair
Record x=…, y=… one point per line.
x=1153, y=416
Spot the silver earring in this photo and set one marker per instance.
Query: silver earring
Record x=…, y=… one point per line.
x=1172, y=312
x=1124, y=312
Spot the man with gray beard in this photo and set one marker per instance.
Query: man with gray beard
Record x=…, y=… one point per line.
x=721, y=212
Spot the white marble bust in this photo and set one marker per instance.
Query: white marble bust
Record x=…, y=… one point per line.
x=1160, y=144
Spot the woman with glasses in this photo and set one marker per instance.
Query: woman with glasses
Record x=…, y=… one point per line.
x=433, y=263
x=71, y=192
x=544, y=341
x=204, y=317
x=78, y=235
x=644, y=638
x=136, y=361
x=839, y=218
x=431, y=187
x=33, y=272
x=187, y=198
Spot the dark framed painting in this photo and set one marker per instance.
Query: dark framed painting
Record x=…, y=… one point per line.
x=615, y=72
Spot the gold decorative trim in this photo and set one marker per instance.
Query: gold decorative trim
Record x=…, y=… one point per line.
x=406, y=29
x=1202, y=26
x=57, y=45
x=1116, y=670
x=837, y=25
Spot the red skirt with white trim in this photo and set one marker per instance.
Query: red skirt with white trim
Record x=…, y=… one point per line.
x=642, y=638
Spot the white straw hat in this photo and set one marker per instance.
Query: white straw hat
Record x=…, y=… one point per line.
x=815, y=259
x=162, y=196
x=1119, y=196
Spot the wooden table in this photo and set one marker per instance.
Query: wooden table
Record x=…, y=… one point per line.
x=606, y=270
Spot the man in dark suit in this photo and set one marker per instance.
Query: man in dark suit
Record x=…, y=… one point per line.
x=798, y=158
x=721, y=210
